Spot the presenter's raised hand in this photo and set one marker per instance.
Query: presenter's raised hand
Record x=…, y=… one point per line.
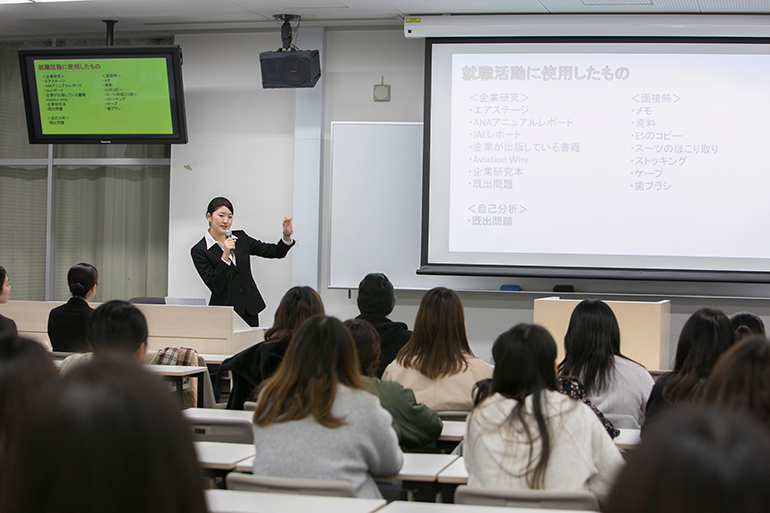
x=288, y=229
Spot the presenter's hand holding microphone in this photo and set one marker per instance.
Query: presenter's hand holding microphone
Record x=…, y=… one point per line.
x=229, y=244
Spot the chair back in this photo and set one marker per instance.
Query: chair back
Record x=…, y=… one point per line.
x=250, y=406
x=265, y=484
x=225, y=430
x=537, y=499
x=453, y=415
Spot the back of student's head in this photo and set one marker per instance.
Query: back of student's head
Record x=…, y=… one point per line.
x=740, y=381
x=524, y=361
x=376, y=295
x=81, y=278
x=439, y=344
x=110, y=437
x=746, y=323
x=705, y=336
x=696, y=460
x=296, y=306
x=26, y=369
x=116, y=327
x=367, y=344
x=321, y=354
x=591, y=344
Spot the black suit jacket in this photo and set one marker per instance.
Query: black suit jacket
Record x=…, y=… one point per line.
x=234, y=285
x=67, y=326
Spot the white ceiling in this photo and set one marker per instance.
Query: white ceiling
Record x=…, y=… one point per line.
x=34, y=21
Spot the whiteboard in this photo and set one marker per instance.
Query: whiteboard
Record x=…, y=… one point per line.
x=376, y=208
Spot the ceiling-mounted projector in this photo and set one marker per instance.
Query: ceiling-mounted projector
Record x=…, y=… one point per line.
x=288, y=66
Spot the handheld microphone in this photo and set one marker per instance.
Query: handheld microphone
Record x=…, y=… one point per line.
x=229, y=235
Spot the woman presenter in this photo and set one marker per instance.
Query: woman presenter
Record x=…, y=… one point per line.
x=222, y=260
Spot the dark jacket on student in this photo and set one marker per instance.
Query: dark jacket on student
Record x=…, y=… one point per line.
x=251, y=367
x=393, y=336
x=415, y=424
x=67, y=326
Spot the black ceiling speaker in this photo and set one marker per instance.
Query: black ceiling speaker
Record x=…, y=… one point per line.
x=289, y=67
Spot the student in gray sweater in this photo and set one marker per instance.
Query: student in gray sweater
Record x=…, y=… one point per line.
x=315, y=420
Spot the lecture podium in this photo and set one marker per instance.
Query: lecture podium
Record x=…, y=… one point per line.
x=215, y=330
x=644, y=327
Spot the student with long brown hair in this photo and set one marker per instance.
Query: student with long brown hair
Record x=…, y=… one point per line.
x=528, y=435
x=255, y=364
x=315, y=420
x=740, y=380
x=437, y=363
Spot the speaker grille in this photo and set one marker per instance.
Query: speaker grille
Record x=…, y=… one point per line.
x=294, y=70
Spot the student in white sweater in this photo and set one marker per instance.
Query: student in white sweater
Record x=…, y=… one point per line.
x=617, y=386
x=437, y=362
x=315, y=420
x=526, y=434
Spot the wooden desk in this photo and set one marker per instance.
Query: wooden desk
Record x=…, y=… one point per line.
x=454, y=431
x=230, y=501
x=423, y=507
x=420, y=472
x=215, y=425
x=177, y=373
x=221, y=455
x=423, y=467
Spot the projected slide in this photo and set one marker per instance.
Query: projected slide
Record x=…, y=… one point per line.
x=103, y=96
x=629, y=156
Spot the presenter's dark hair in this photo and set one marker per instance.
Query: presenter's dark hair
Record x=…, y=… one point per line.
x=695, y=460
x=321, y=355
x=705, y=336
x=26, y=368
x=116, y=326
x=524, y=357
x=438, y=346
x=746, y=323
x=740, y=380
x=297, y=305
x=105, y=411
x=81, y=278
x=3, y=274
x=591, y=344
x=218, y=202
x=367, y=344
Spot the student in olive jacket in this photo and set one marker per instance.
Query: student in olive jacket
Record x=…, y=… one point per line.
x=415, y=424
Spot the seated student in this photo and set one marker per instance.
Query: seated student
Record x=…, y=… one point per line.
x=67, y=323
x=616, y=385
x=376, y=299
x=705, y=336
x=415, y=424
x=315, y=420
x=437, y=363
x=740, y=380
x=116, y=327
x=745, y=324
x=528, y=435
x=26, y=368
x=7, y=326
x=696, y=460
x=257, y=363
x=109, y=437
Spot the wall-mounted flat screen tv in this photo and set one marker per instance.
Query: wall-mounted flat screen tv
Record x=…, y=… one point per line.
x=127, y=95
